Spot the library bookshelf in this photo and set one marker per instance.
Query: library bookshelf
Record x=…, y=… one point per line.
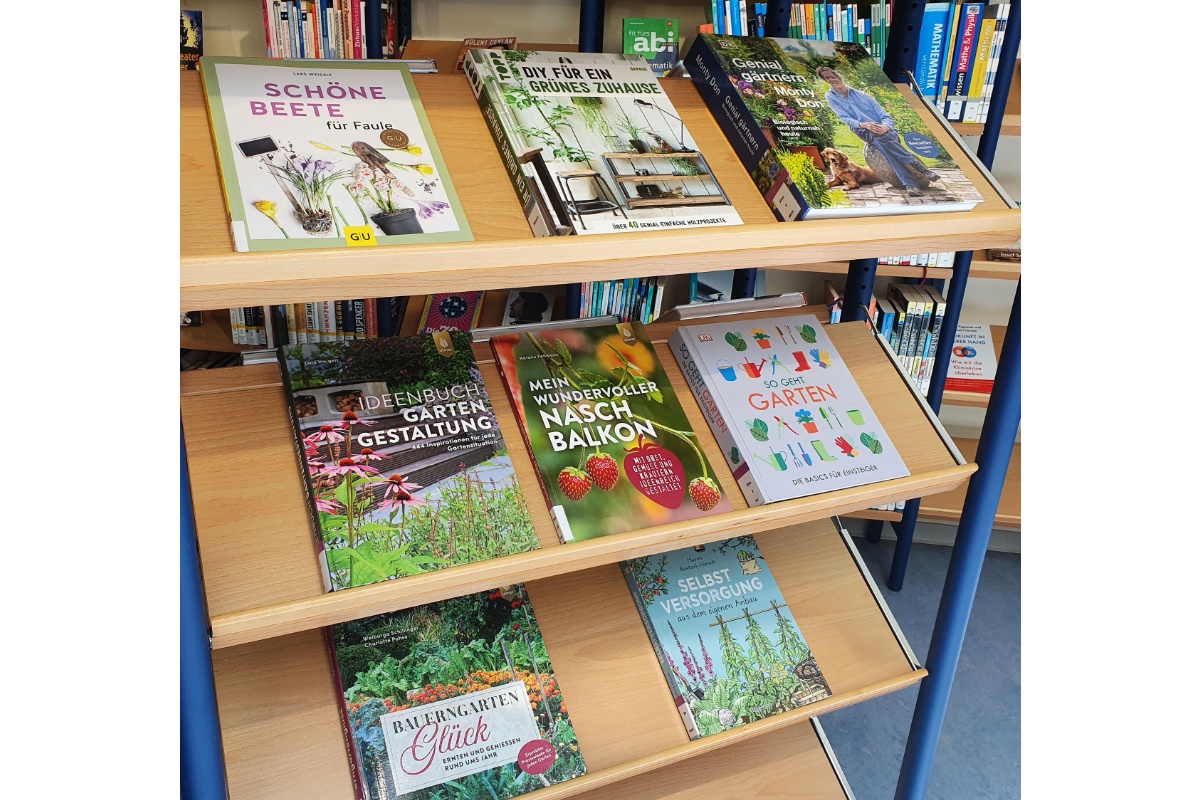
x=260, y=575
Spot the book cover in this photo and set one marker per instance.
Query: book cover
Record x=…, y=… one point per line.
x=327, y=155
x=527, y=306
x=611, y=444
x=191, y=39
x=451, y=311
x=655, y=39
x=592, y=144
x=963, y=59
x=979, y=62
x=453, y=699
x=972, y=361
x=404, y=464
x=727, y=642
x=783, y=406
x=492, y=42
x=932, y=48
x=822, y=131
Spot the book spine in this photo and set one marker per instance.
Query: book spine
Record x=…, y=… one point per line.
x=949, y=51
x=964, y=53
x=994, y=63
x=340, y=319
x=685, y=711
x=371, y=318
x=920, y=320
x=356, y=27
x=327, y=323
x=929, y=53
x=903, y=335
x=268, y=27
x=358, y=313
x=293, y=337
x=939, y=313
x=312, y=321
x=979, y=64
x=712, y=408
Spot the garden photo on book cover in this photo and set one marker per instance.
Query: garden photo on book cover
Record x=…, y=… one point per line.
x=406, y=466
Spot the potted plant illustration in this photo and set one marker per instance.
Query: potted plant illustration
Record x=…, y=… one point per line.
x=312, y=179
x=806, y=419
x=760, y=336
x=748, y=562
x=395, y=216
x=627, y=126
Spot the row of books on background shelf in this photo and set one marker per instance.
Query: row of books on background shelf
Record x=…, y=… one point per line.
x=631, y=299
x=959, y=54
x=309, y=323
x=736, y=18
x=294, y=180
x=327, y=28
x=866, y=23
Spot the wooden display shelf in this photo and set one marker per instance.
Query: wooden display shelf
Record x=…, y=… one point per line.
x=983, y=267
x=651, y=155
x=279, y=706
x=1011, y=126
x=976, y=399
x=505, y=253
x=692, y=200
x=659, y=176
x=213, y=334
x=948, y=507
x=260, y=573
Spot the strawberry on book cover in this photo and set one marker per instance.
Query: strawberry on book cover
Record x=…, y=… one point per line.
x=611, y=444
x=727, y=642
x=592, y=144
x=454, y=699
x=404, y=464
x=822, y=131
x=327, y=155
x=785, y=409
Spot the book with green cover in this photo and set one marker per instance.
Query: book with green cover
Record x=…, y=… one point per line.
x=611, y=443
x=656, y=39
x=404, y=465
x=327, y=154
x=453, y=700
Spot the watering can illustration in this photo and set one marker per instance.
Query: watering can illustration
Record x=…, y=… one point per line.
x=751, y=369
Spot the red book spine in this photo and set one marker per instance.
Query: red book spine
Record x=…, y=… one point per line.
x=268, y=27
x=356, y=27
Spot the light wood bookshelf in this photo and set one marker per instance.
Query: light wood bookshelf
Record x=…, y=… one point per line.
x=629, y=730
x=505, y=253
x=1011, y=126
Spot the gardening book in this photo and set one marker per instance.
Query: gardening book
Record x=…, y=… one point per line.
x=451, y=311
x=782, y=404
x=727, y=642
x=454, y=699
x=592, y=144
x=613, y=448
x=401, y=456
x=333, y=154
x=972, y=361
x=823, y=131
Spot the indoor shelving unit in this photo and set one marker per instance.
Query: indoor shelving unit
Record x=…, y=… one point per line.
x=260, y=706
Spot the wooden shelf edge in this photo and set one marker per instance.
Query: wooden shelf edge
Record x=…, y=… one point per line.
x=318, y=611
x=1011, y=126
x=977, y=399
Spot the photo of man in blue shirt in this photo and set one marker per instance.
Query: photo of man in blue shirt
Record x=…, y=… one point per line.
x=871, y=123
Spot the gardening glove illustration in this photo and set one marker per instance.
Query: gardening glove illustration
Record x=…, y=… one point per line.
x=735, y=339
x=845, y=447
x=871, y=443
x=821, y=357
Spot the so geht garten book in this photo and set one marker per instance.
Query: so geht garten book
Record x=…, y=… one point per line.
x=457, y=697
x=784, y=408
x=327, y=154
x=611, y=444
x=822, y=131
x=592, y=144
x=727, y=642
x=404, y=465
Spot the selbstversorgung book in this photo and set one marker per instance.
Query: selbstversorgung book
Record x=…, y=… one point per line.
x=455, y=700
x=727, y=642
x=592, y=144
x=328, y=154
x=822, y=130
x=612, y=446
x=404, y=464
x=786, y=411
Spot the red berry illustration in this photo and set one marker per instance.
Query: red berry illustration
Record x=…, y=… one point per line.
x=704, y=493
x=574, y=483
x=603, y=470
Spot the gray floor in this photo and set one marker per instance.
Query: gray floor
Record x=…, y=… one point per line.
x=979, y=753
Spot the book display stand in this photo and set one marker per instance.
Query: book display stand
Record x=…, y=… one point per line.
x=260, y=716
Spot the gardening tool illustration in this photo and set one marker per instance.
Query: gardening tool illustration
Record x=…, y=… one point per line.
x=806, y=419
x=819, y=448
x=795, y=458
x=777, y=462
x=727, y=371
x=833, y=413
x=825, y=416
x=736, y=341
x=783, y=423
x=801, y=362
x=807, y=334
x=785, y=334
x=377, y=161
x=804, y=454
x=760, y=336
x=264, y=149
x=775, y=362
x=758, y=429
x=845, y=447
x=871, y=442
x=752, y=369
x=821, y=357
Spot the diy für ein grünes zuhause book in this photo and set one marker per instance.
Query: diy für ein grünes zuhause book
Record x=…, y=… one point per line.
x=405, y=468
x=613, y=447
x=592, y=144
x=729, y=647
x=327, y=154
x=456, y=700
x=822, y=131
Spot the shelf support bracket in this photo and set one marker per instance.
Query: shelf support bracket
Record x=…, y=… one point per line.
x=202, y=764
x=860, y=283
x=591, y=26
x=966, y=562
